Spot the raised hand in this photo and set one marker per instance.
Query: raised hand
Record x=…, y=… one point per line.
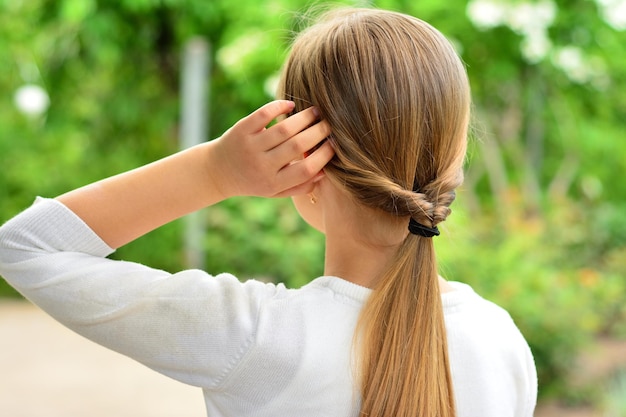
x=250, y=159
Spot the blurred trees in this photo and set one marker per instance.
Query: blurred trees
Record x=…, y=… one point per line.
x=539, y=226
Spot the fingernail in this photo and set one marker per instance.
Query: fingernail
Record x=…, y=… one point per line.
x=316, y=112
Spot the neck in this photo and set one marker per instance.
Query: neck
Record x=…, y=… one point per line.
x=350, y=254
x=360, y=263
x=355, y=261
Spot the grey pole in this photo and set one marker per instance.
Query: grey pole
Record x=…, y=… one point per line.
x=193, y=131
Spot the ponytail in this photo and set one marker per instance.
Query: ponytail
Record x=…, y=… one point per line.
x=401, y=340
x=396, y=96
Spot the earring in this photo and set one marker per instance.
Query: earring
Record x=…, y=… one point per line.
x=312, y=198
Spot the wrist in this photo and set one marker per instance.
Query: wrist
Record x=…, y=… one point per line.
x=216, y=185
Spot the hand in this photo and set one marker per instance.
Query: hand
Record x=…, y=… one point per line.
x=250, y=159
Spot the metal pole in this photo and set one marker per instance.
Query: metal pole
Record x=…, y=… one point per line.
x=193, y=131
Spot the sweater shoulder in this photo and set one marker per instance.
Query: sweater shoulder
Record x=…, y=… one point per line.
x=489, y=357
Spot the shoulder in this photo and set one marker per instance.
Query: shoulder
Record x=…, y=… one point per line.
x=489, y=356
x=480, y=326
x=466, y=311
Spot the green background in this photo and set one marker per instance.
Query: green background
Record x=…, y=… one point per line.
x=539, y=226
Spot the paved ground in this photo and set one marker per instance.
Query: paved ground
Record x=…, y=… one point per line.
x=48, y=371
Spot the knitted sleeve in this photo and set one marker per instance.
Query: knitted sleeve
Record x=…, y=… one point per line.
x=190, y=326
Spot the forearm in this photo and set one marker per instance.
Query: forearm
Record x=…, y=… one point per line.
x=247, y=160
x=124, y=207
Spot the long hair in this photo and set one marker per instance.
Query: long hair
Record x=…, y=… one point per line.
x=396, y=96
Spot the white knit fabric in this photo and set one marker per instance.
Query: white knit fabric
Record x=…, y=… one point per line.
x=255, y=349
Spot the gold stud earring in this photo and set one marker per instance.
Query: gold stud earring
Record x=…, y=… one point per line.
x=312, y=198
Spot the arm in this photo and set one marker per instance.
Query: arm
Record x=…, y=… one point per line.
x=189, y=325
x=249, y=159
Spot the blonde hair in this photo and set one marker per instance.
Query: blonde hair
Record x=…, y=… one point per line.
x=396, y=96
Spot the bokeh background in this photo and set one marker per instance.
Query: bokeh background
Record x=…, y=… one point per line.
x=92, y=88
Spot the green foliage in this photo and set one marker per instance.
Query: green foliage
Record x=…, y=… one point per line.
x=560, y=294
x=615, y=396
x=540, y=227
x=271, y=242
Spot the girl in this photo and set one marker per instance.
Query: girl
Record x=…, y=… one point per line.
x=381, y=333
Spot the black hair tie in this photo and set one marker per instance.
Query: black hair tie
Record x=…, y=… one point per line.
x=421, y=230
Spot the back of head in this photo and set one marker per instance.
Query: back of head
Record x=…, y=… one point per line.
x=397, y=99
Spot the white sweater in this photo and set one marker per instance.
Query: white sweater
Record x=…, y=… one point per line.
x=255, y=349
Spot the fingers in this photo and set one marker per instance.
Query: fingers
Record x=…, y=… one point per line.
x=291, y=126
x=301, y=189
x=259, y=119
x=299, y=176
x=267, y=139
x=302, y=154
x=271, y=161
x=300, y=145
